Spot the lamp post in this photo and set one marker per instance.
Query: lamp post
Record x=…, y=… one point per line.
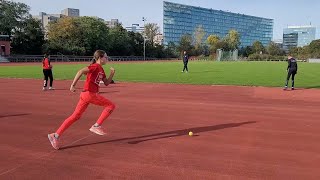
x=144, y=38
x=144, y=48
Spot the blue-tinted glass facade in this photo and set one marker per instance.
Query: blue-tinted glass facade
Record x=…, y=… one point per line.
x=298, y=36
x=181, y=19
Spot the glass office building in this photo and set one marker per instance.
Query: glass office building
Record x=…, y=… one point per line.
x=181, y=19
x=298, y=36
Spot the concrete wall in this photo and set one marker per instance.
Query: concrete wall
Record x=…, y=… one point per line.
x=314, y=60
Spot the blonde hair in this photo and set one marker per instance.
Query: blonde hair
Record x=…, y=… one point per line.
x=97, y=55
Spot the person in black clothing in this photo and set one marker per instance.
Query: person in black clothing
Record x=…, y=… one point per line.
x=292, y=70
x=185, y=61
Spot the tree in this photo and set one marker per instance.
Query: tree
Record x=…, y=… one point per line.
x=118, y=38
x=206, y=50
x=300, y=52
x=12, y=14
x=94, y=34
x=233, y=39
x=273, y=49
x=310, y=51
x=171, y=50
x=257, y=47
x=66, y=36
x=158, y=51
x=28, y=38
x=77, y=36
x=223, y=44
x=198, y=39
x=136, y=43
x=151, y=30
x=314, y=49
x=185, y=43
x=25, y=32
x=246, y=51
x=213, y=41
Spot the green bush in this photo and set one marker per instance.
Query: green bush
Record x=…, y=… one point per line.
x=265, y=57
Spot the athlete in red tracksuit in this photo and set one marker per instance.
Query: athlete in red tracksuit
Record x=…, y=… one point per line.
x=47, y=73
x=89, y=95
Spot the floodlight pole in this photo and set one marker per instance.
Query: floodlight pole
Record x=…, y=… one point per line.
x=144, y=38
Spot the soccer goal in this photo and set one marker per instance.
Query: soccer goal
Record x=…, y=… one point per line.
x=227, y=55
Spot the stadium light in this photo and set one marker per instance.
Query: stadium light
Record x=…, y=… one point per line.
x=144, y=38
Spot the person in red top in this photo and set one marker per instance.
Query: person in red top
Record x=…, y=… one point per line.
x=89, y=95
x=47, y=73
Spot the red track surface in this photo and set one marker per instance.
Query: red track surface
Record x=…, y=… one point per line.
x=241, y=133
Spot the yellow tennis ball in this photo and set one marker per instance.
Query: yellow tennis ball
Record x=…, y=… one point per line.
x=190, y=133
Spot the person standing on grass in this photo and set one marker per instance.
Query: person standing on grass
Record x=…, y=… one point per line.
x=292, y=70
x=95, y=73
x=47, y=73
x=185, y=61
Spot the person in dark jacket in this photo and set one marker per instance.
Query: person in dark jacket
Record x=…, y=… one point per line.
x=292, y=70
x=185, y=61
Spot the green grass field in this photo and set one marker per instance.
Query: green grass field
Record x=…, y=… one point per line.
x=200, y=72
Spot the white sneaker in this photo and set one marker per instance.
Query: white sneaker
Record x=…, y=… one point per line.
x=44, y=89
x=98, y=130
x=51, y=88
x=101, y=82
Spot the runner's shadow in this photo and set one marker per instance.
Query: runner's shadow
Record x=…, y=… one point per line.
x=13, y=115
x=59, y=89
x=168, y=134
x=313, y=87
x=107, y=92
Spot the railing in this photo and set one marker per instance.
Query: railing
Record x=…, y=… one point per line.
x=3, y=59
x=64, y=58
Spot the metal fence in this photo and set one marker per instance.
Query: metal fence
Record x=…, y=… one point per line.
x=64, y=58
x=3, y=59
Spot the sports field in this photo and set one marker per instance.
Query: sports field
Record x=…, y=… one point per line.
x=240, y=132
x=270, y=74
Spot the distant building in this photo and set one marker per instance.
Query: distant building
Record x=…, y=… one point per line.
x=298, y=36
x=100, y=19
x=279, y=43
x=45, y=18
x=5, y=45
x=135, y=28
x=112, y=23
x=158, y=39
x=180, y=19
x=70, y=12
